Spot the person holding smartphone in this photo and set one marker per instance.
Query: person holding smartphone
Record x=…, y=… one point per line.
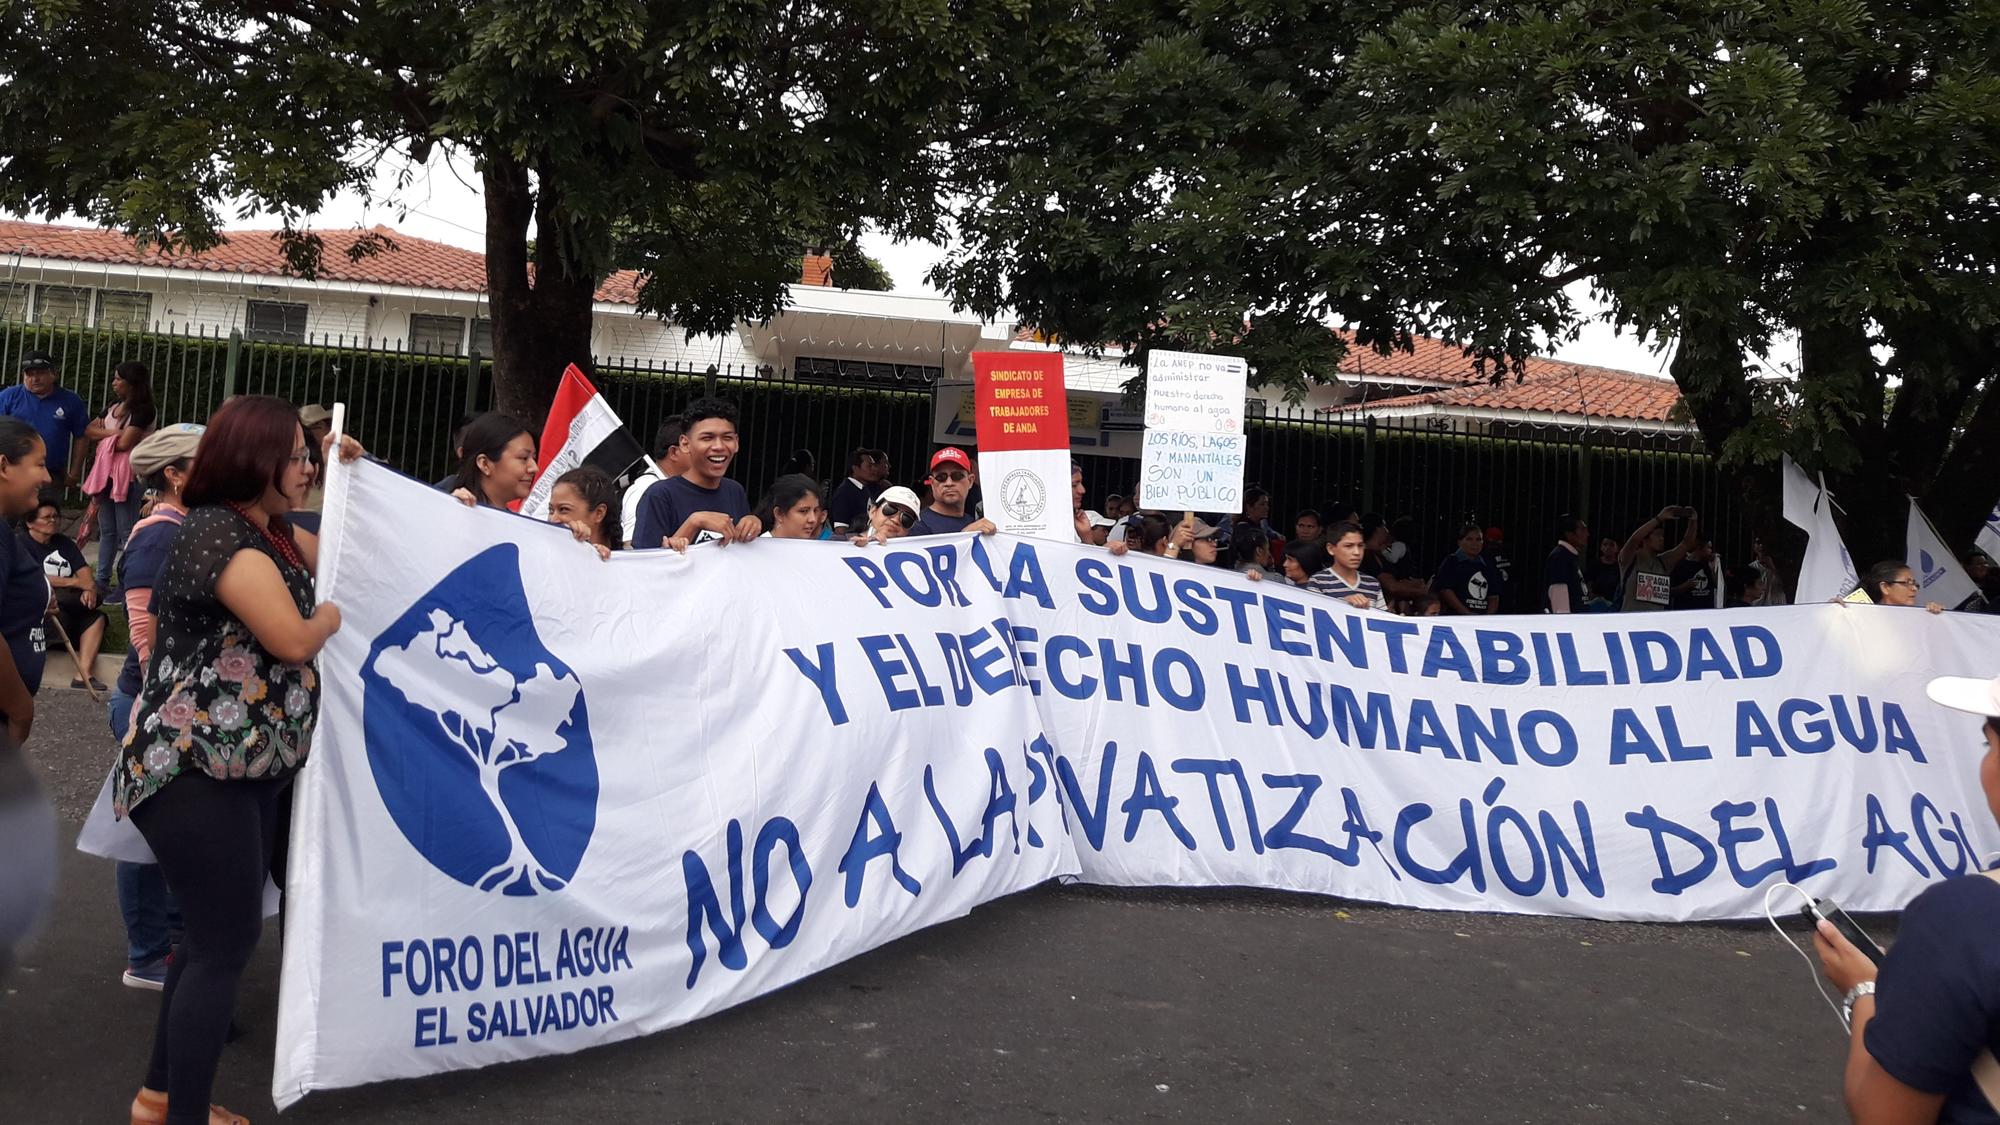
x=1918, y=1042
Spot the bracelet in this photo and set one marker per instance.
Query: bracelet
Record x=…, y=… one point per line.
x=1865, y=988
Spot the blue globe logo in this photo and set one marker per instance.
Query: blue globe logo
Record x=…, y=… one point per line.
x=478, y=736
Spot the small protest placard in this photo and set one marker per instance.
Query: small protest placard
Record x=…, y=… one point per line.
x=1194, y=451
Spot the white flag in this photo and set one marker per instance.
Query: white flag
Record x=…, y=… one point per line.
x=1827, y=573
x=1939, y=577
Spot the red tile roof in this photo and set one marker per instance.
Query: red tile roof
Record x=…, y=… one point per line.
x=416, y=263
x=1430, y=361
x=1550, y=387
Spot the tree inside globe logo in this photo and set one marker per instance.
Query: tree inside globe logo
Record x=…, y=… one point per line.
x=478, y=736
x=1022, y=495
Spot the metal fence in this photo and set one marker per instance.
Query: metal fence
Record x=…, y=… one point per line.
x=1515, y=476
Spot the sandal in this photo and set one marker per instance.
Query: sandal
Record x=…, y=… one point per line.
x=150, y=1108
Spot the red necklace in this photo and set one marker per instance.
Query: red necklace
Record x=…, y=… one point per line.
x=279, y=543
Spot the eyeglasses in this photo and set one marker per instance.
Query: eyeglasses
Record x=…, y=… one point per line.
x=302, y=457
x=901, y=515
x=1910, y=582
x=949, y=476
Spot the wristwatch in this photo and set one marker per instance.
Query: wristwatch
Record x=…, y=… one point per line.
x=1865, y=988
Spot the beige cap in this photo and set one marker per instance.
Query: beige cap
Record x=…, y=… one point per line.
x=310, y=416
x=165, y=446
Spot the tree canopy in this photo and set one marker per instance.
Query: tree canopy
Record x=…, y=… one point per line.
x=705, y=144
x=1721, y=172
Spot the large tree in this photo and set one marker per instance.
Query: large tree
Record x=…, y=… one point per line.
x=704, y=143
x=1723, y=173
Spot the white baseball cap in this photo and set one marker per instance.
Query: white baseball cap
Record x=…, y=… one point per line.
x=1964, y=693
x=901, y=497
x=1098, y=519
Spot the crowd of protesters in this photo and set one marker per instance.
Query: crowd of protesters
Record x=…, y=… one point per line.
x=207, y=540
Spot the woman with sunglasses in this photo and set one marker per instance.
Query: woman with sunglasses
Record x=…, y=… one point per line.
x=1892, y=583
x=892, y=516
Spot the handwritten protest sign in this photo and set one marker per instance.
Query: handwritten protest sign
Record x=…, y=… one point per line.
x=1194, y=451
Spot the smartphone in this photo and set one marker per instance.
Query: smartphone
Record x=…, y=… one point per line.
x=1826, y=909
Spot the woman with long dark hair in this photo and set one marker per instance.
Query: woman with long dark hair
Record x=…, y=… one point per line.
x=498, y=465
x=224, y=719
x=586, y=501
x=131, y=417
x=792, y=509
x=24, y=588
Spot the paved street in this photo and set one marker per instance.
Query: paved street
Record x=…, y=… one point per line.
x=1059, y=1005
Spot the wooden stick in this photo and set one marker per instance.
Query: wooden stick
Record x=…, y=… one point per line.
x=87, y=674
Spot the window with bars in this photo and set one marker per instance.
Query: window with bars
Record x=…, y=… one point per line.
x=437, y=335
x=61, y=304
x=14, y=301
x=282, y=322
x=125, y=310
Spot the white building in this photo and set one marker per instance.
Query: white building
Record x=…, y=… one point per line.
x=431, y=297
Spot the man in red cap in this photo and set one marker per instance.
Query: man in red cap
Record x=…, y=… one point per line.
x=951, y=482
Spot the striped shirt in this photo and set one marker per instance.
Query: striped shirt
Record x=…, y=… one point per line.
x=1333, y=586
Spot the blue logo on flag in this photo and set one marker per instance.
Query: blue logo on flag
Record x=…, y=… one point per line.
x=478, y=736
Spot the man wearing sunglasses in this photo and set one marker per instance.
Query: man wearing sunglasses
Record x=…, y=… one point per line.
x=951, y=482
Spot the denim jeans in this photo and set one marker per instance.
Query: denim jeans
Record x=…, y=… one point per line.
x=151, y=915
x=114, y=525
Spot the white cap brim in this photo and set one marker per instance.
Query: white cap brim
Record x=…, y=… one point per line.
x=1963, y=693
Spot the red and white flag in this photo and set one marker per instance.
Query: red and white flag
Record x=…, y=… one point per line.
x=582, y=430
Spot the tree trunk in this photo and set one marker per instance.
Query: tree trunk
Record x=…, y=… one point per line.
x=1870, y=491
x=541, y=309
x=1708, y=367
x=1968, y=484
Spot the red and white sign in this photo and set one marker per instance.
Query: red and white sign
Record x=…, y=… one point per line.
x=1023, y=430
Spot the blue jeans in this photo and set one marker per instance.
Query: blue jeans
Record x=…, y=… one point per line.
x=114, y=526
x=151, y=915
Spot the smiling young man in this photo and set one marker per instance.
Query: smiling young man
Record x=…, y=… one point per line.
x=702, y=503
x=951, y=482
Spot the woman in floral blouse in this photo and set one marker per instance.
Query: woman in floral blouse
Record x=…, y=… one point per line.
x=223, y=721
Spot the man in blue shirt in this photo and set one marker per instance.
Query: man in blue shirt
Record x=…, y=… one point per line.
x=701, y=504
x=54, y=410
x=951, y=482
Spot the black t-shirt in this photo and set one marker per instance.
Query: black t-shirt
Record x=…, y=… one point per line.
x=1937, y=1002
x=1503, y=568
x=60, y=557
x=1561, y=570
x=934, y=522
x=1605, y=580
x=1701, y=595
x=848, y=506
x=24, y=605
x=668, y=504
x=1473, y=579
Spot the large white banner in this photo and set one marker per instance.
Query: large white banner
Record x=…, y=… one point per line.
x=556, y=802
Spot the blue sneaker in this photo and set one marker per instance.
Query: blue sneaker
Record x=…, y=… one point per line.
x=151, y=975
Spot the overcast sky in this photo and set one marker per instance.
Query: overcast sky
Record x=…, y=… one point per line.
x=442, y=202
